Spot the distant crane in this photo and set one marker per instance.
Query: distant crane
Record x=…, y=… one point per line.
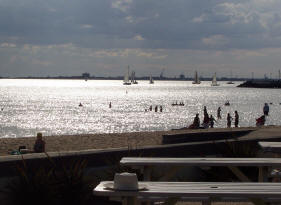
x=162, y=73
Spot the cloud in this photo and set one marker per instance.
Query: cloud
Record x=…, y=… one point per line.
x=111, y=32
x=8, y=45
x=138, y=38
x=215, y=40
x=122, y=5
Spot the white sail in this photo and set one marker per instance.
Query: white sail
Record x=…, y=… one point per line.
x=196, y=79
x=151, y=80
x=133, y=80
x=214, y=81
x=126, y=77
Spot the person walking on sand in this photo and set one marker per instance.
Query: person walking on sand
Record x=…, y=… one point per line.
x=219, y=113
x=265, y=109
x=229, y=119
x=236, y=119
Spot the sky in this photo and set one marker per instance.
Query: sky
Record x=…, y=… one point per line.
x=103, y=37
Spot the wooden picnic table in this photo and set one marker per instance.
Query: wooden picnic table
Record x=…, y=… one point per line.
x=202, y=190
x=145, y=164
x=271, y=146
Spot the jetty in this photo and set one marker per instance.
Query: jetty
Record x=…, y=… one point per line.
x=261, y=84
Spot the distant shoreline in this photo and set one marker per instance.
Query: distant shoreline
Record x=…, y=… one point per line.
x=121, y=78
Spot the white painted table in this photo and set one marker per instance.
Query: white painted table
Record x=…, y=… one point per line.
x=251, y=191
x=146, y=164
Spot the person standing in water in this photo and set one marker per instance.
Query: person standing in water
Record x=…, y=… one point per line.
x=229, y=119
x=219, y=113
x=236, y=119
x=265, y=109
x=109, y=104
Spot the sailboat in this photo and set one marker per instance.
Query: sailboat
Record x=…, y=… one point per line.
x=214, y=81
x=133, y=80
x=230, y=82
x=196, y=79
x=151, y=80
x=126, y=77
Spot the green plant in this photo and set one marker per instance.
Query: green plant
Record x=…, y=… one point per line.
x=49, y=183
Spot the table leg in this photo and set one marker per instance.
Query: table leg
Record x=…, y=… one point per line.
x=146, y=173
x=147, y=177
x=263, y=171
x=239, y=174
x=129, y=201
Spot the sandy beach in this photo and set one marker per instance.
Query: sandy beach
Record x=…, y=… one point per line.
x=113, y=140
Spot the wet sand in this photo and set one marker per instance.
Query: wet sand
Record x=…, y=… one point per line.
x=114, y=140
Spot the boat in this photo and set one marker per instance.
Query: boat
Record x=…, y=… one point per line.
x=230, y=82
x=126, y=77
x=133, y=80
x=196, y=78
x=214, y=81
x=151, y=80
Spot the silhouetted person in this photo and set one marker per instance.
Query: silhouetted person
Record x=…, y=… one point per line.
x=229, y=119
x=161, y=108
x=39, y=145
x=260, y=121
x=236, y=119
x=219, y=113
x=109, y=104
x=196, y=122
x=265, y=109
x=212, y=121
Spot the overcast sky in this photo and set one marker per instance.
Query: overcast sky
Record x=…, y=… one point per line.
x=103, y=37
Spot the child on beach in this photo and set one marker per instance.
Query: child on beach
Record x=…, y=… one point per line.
x=260, y=121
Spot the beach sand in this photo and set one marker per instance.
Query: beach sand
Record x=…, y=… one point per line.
x=113, y=140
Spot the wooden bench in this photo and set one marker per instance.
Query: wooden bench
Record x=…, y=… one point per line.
x=274, y=147
x=145, y=164
x=213, y=191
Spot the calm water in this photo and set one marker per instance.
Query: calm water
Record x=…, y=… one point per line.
x=51, y=106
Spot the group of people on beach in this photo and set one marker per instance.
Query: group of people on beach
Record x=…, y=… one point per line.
x=209, y=121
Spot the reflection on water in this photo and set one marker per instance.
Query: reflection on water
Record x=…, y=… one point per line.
x=51, y=106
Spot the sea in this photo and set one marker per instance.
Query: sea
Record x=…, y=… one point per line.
x=28, y=106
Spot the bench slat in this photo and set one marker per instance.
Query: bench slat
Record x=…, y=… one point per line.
x=150, y=161
x=199, y=189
